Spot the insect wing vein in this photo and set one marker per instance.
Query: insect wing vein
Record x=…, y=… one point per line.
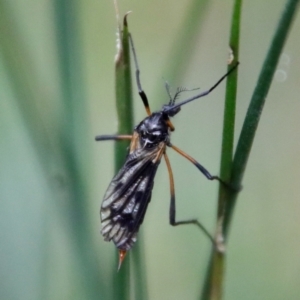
x=127, y=197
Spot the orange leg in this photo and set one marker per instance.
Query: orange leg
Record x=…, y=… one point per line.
x=198, y=166
x=172, y=215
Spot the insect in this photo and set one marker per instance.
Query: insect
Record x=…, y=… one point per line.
x=129, y=193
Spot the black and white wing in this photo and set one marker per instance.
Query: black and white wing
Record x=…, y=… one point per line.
x=127, y=197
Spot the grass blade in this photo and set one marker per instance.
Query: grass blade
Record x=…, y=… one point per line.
x=123, y=88
x=124, y=104
x=257, y=103
x=72, y=139
x=215, y=274
x=216, y=267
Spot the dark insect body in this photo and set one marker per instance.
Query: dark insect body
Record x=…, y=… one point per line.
x=129, y=193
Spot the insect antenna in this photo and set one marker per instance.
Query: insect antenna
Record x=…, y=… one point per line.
x=137, y=76
x=180, y=90
x=167, y=86
x=169, y=108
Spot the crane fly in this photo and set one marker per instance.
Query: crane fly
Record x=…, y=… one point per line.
x=129, y=193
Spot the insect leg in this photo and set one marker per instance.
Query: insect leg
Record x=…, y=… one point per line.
x=198, y=166
x=114, y=137
x=173, y=221
x=137, y=75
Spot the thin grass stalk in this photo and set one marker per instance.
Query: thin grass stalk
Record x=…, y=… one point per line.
x=124, y=106
x=139, y=272
x=216, y=267
x=73, y=143
x=28, y=91
x=257, y=103
x=213, y=285
x=123, y=86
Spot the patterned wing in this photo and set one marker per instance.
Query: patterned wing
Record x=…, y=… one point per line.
x=127, y=197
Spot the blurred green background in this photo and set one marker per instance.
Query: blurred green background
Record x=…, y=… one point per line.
x=57, y=93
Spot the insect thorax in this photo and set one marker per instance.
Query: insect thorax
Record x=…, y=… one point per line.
x=153, y=130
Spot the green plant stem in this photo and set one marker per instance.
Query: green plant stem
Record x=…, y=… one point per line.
x=215, y=274
x=125, y=126
x=123, y=88
x=257, y=103
x=215, y=277
x=72, y=139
